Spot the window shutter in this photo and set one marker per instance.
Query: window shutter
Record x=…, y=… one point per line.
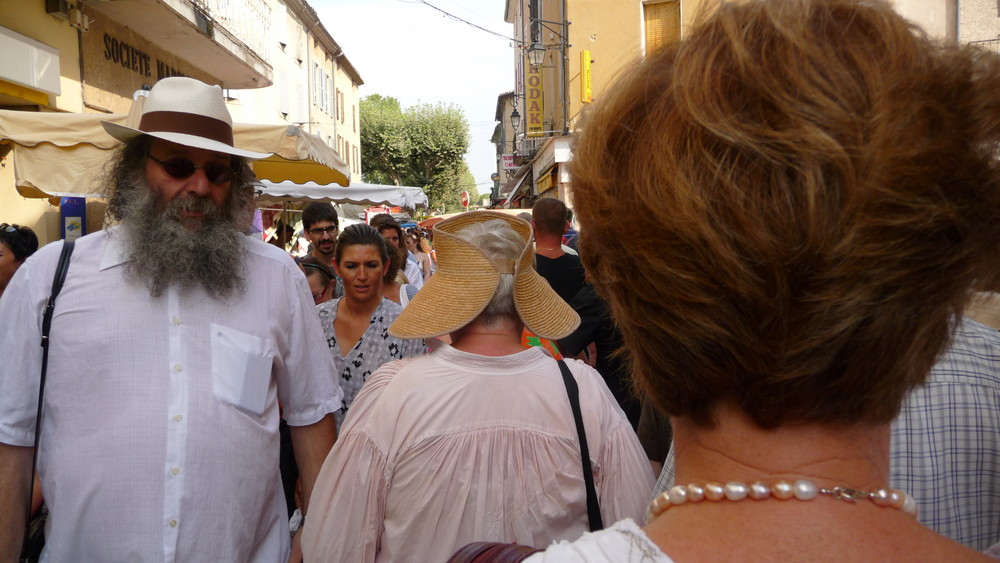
x=663, y=24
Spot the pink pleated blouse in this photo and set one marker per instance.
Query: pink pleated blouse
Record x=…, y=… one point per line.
x=449, y=448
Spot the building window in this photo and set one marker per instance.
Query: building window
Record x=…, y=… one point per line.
x=354, y=117
x=315, y=86
x=663, y=24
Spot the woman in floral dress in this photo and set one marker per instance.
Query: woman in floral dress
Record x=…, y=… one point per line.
x=356, y=325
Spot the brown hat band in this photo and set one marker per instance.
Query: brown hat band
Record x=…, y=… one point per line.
x=187, y=123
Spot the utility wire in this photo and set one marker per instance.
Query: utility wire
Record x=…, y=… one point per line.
x=467, y=22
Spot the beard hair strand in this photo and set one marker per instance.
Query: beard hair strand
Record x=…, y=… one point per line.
x=162, y=250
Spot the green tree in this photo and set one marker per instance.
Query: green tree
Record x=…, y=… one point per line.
x=423, y=145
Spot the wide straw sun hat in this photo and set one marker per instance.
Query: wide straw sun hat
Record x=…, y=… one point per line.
x=466, y=281
x=187, y=112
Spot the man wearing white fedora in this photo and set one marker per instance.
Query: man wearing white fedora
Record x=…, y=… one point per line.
x=173, y=341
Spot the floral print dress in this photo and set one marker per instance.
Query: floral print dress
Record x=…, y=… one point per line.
x=375, y=347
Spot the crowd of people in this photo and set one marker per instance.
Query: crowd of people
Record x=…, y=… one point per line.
x=799, y=332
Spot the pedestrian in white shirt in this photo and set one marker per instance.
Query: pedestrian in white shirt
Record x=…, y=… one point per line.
x=174, y=339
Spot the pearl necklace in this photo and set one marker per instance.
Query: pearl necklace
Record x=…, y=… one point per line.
x=781, y=490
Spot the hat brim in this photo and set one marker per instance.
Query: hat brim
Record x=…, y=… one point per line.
x=466, y=282
x=125, y=134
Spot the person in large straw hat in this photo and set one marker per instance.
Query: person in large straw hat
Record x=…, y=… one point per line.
x=475, y=441
x=173, y=340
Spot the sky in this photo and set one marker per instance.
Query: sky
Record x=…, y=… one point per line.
x=409, y=51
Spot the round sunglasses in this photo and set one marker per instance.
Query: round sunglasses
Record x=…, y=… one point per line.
x=182, y=168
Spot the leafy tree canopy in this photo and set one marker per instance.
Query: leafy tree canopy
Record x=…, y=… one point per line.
x=423, y=145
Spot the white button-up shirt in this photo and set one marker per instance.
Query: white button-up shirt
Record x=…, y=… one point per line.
x=160, y=429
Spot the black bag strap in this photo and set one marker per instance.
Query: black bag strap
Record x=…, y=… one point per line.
x=57, y=283
x=593, y=506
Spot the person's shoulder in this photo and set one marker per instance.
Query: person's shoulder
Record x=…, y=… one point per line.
x=623, y=542
x=48, y=255
x=586, y=376
x=567, y=260
x=268, y=253
x=971, y=328
x=411, y=290
x=972, y=358
x=328, y=308
x=390, y=309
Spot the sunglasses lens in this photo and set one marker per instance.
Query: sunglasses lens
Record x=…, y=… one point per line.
x=179, y=167
x=219, y=173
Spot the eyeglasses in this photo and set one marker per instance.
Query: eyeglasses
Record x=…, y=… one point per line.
x=317, y=231
x=181, y=168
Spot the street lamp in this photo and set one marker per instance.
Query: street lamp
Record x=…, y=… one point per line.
x=536, y=54
x=515, y=120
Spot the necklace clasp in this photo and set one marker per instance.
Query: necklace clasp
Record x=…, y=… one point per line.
x=846, y=494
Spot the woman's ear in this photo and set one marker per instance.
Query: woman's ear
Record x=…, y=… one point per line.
x=329, y=289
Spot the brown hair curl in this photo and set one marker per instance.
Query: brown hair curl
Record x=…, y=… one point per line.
x=822, y=183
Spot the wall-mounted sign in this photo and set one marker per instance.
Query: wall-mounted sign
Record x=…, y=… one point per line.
x=586, y=84
x=508, y=161
x=117, y=62
x=534, y=99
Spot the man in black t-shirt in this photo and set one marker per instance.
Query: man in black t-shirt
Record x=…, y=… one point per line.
x=564, y=272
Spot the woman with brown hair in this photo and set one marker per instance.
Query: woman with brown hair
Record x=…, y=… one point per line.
x=392, y=289
x=423, y=259
x=823, y=183
x=356, y=325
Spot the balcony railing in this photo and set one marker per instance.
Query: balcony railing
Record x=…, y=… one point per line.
x=988, y=44
x=247, y=20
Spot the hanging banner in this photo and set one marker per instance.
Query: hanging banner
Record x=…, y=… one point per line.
x=534, y=99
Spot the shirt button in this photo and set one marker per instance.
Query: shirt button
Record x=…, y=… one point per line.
x=175, y=471
x=178, y=418
x=173, y=523
x=178, y=367
x=177, y=320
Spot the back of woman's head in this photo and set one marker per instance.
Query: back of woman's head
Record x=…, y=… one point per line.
x=822, y=184
x=498, y=241
x=360, y=234
x=397, y=259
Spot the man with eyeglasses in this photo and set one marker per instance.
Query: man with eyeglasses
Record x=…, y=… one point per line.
x=174, y=338
x=320, y=223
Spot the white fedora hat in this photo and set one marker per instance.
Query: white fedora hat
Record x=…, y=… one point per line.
x=187, y=112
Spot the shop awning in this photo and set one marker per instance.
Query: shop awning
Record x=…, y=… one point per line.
x=358, y=193
x=64, y=154
x=514, y=188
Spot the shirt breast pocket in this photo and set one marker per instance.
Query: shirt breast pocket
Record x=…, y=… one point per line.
x=241, y=368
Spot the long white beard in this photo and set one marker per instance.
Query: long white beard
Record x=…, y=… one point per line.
x=165, y=248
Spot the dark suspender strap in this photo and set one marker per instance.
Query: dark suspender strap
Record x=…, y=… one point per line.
x=593, y=506
x=57, y=283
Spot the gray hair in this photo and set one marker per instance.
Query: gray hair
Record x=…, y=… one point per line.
x=499, y=241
